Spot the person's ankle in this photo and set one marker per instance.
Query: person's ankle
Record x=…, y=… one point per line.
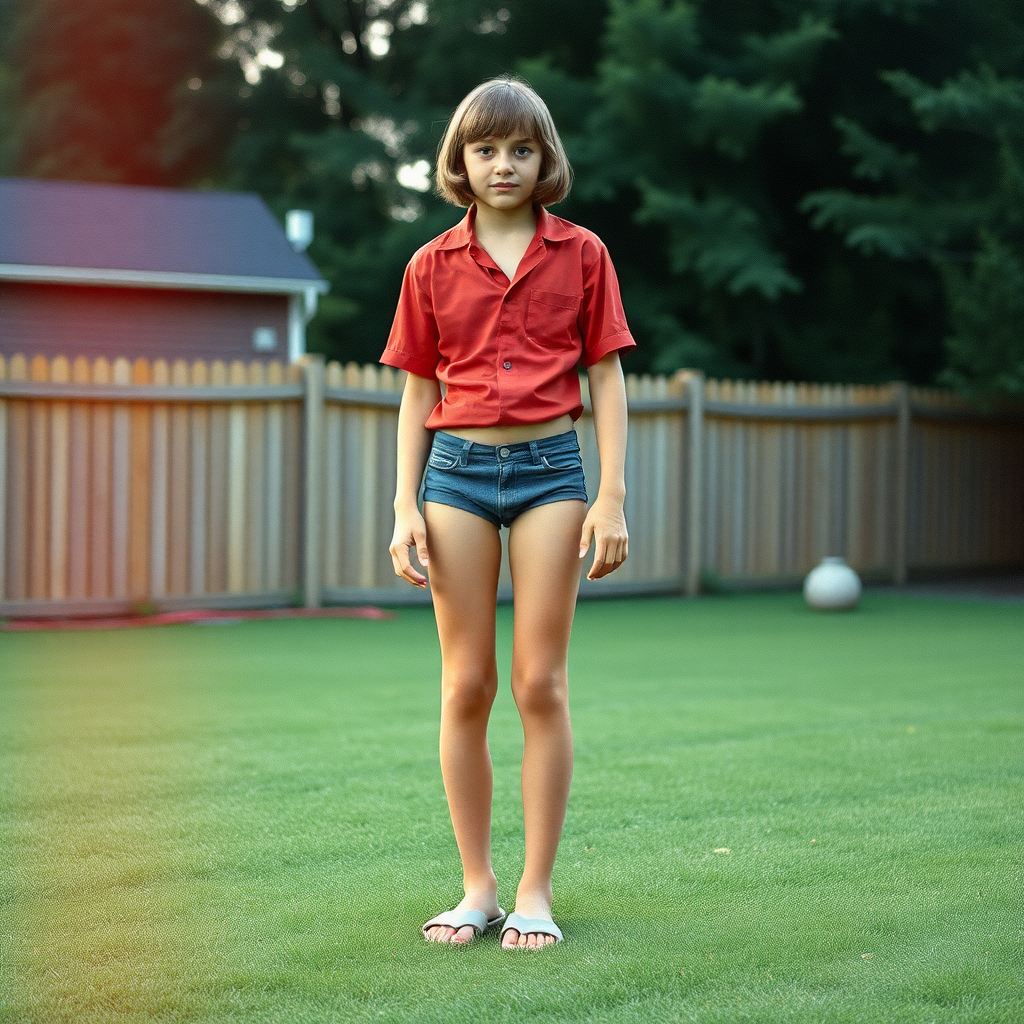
x=530, y=887
x=483, y=886
x=531, y=894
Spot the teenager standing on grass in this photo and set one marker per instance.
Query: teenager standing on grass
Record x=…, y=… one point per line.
x=502, y=309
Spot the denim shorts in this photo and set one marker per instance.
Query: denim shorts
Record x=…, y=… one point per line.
x=500, y=482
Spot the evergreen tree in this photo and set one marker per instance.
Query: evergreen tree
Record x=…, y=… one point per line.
x=116, y=90
x=947, y=192
x=8, y=88
x=986, y=349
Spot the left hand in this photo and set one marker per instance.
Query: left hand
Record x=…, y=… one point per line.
x=606, y=525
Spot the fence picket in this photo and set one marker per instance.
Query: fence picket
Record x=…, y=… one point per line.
x=634, y=465
x=712, y=458
x=661, y=543
x=59, y=485
x=291, y=470
x=217, y=488
x=256, y=475
x=140, y=485
x=236, y=484
x=80, y=510
x=274, y=483
x=739, y=496
x=884, y=487
x=199, y=448
x=334, y=496
x=158, y=496
x=39, y=440
x=178, y=551
x=387, y=465
x=368, y=553
x=19, y=486
x=753, y=437
x=121, y=469
x=351, y=475
x=101, y=483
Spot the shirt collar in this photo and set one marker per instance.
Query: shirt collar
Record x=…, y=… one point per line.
x=550, y=228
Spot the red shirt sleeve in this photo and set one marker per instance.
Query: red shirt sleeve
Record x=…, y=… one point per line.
x=602, y=318
x=412, y=344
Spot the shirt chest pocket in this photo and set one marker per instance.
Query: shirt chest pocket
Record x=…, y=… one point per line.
x=551, y=319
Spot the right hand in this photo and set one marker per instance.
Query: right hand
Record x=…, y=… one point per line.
x=410, y=532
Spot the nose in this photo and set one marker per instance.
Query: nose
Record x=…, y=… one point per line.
x=504, y=163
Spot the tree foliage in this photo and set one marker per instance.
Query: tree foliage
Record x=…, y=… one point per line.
x=8, y=89
x=986, y=349
x=116, y=90
x=950, y=192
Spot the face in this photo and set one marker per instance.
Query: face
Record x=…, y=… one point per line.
x=503, y=173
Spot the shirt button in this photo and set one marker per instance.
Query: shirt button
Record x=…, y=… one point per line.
x=503, y=452
x=507, y=365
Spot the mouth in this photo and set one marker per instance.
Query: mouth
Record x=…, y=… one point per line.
x=504, y=186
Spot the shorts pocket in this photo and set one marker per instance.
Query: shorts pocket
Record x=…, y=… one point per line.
x=562, y=461
x=442, y=460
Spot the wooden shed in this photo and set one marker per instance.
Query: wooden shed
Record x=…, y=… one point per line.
x=118, y=270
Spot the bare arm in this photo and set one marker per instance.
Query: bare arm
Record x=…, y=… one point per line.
x=606, y=522
x=419, y=397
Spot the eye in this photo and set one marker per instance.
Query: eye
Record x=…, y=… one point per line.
x=483, y=150
x=523, y=151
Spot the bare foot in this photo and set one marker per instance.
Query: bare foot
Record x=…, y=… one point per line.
x=485, y=901
x=533, y=905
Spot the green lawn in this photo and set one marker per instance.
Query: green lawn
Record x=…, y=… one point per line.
x=776, y=816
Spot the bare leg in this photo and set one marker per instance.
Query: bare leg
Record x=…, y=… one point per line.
x=544, y=559
x=465, y=556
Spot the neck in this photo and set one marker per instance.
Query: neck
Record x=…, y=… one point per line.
x=488, y=219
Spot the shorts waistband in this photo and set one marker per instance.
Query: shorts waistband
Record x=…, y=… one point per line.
x=516, y=451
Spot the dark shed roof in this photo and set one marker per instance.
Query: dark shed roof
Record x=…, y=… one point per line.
x=157, y=237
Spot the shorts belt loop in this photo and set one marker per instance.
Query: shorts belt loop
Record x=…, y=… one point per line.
x=464, y=454
x=534, y=454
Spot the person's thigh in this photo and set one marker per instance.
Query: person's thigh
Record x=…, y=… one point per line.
x=543, y=547
x=465, y=557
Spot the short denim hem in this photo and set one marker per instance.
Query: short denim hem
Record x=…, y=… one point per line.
x=457, y=501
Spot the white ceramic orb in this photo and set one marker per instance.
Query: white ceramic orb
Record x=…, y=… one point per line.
x=832, y=585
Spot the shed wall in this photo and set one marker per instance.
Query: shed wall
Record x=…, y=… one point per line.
x=72, y=320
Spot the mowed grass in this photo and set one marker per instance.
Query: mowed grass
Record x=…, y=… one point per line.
x=776, y=816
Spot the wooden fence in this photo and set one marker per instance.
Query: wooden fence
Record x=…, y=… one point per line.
x=212, y=485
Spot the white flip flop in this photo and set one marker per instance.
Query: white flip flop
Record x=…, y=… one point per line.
x=531, y=925
x=475, y=919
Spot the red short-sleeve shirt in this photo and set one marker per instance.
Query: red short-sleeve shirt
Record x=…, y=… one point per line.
x=507, y=353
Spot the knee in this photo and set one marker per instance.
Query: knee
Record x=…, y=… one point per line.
x=540, y=693
x=468, y=695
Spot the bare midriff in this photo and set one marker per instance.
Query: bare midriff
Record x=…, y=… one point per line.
x=512, y=434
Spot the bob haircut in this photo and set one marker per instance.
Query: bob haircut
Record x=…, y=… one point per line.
x=497, y=109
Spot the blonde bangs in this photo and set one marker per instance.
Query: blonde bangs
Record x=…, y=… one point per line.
x=498, y=109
